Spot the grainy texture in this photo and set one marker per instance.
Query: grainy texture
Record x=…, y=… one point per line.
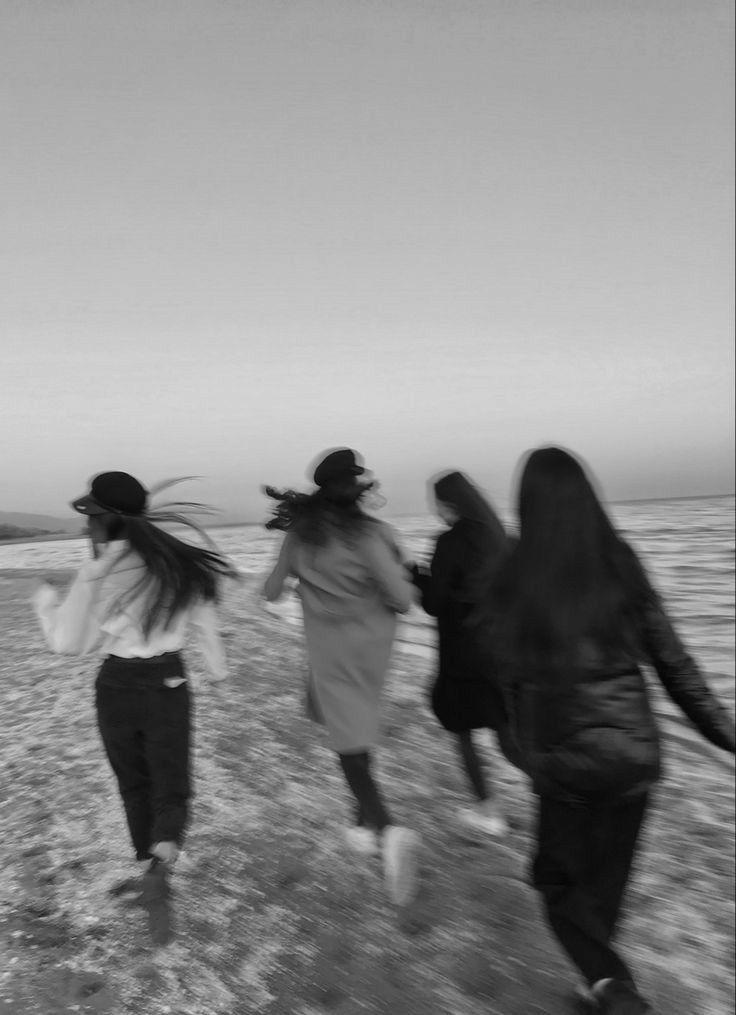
x=273, y=915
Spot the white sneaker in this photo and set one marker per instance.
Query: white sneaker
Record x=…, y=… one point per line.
x=361, y=840
x=401, y=863
x=584, y=994
x=481, y=821
x=166, y=851
x=612, y=995
x=599, y=988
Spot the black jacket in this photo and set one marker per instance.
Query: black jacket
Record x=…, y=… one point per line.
x=598, y=738
x=465, y=694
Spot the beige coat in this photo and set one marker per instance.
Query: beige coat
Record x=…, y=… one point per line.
x=350, y=597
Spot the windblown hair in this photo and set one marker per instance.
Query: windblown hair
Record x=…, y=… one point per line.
x=484, y=532
x=571, y=580
x=333, y=510
x=177, y=573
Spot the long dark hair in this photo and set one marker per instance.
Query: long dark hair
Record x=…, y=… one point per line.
x=176, y=573
x=483, y=530
x=571, y=578
x=333, y=510
x=454, y=488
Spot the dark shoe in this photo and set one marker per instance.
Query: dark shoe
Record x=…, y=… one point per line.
x=154, y=897
x=616, y=997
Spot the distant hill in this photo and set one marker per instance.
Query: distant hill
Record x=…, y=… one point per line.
x=46, y=523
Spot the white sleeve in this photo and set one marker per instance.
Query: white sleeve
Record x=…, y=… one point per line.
x=72, y=626
x=207, y=633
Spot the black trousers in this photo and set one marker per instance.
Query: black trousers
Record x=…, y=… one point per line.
x=582, y=866
x=146, y=730
x=370, y=809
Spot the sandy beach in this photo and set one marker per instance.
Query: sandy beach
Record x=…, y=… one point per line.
x=273, y=915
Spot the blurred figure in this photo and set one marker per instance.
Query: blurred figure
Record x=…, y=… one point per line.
x=352, y=585
x=135, y=602
x=578, y=616
x=456, y=590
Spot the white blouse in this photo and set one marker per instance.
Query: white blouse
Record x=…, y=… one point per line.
x=84, y=622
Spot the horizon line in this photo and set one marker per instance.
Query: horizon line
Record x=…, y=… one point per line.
x=409, y=514
x=626, y=500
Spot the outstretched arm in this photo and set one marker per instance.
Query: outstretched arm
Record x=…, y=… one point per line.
x=683, y=680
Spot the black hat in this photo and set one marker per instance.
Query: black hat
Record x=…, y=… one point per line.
x=338, y=464
x=115, y=492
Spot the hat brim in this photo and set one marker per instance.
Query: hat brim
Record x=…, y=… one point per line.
x=349, y=472
x=87, y=505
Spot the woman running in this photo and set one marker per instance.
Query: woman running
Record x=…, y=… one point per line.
x=577, y=619
x=456, y=590
x=134, y=603
x=352, y=585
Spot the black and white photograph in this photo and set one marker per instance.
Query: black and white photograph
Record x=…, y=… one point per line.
x=367, y=521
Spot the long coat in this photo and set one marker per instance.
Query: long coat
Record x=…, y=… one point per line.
x=351, y=592
x=465, y=694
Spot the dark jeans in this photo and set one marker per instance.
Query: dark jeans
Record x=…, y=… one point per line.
x=582, y=866
x=145, y=728
x=370, y=810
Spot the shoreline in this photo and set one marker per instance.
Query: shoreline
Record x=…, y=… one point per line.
x=51, y=537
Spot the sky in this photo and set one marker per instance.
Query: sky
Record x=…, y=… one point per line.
x=441, y=232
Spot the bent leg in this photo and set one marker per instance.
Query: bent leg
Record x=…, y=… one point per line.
x=566, y=840
x=168, y=739
x=616, y=836
x=124, y=745
x=371, y=808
